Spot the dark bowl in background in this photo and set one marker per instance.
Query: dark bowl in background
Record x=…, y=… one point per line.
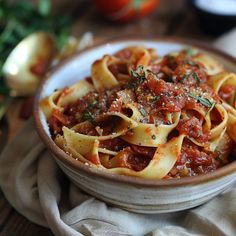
x=213, y=23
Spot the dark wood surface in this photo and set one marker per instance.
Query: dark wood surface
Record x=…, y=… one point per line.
x=173, y=18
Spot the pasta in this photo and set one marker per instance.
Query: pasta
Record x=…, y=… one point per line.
x=143, y=115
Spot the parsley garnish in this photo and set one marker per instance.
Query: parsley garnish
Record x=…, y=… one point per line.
x=137, y=77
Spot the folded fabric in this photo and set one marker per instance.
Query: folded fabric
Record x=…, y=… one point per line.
x=35, y=186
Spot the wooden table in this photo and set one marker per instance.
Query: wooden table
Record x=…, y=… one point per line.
x=172, y=18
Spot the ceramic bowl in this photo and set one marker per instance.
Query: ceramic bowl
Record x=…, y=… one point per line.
x=131, y=193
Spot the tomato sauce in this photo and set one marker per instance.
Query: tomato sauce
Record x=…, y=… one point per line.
x=226, y=92
x=193, y=161
x=176, y=85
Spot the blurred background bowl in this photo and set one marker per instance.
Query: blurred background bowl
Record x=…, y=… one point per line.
x=215, y=16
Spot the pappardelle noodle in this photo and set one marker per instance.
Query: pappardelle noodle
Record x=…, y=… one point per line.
x=149, y=116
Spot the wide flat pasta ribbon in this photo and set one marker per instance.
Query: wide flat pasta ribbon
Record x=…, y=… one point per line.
x=62, y=97
x=83, y=144
x=101, y=75
x=150, y=135
x=162, y=162
x=231, y=124
x=74, y=92
x=224, y=79
x=211, y=65
x=49, y=103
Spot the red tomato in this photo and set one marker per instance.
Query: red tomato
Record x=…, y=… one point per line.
x=125, y=10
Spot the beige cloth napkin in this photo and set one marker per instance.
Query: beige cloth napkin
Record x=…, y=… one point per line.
x=36, y=187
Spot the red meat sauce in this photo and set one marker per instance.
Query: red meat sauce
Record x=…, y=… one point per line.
x=194, y=161
x=177, y=85
x=227, y=93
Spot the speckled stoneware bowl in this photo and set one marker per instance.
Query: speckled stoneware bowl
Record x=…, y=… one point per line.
x=131, y=193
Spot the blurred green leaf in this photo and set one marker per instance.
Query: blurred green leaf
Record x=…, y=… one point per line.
x=44, y=7
x=20, y=19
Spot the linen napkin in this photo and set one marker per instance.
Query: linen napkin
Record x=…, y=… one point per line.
x=35, y=186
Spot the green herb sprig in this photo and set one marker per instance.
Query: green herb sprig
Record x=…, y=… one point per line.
x=87, y=116
x=137, y=77
x=193, y=74
x=204, y=101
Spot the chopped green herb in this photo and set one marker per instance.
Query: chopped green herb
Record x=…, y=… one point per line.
x=195, y=76
x=153, y=136
x=137, y=77
x=92, y=104
x=87, y=116
x=185, y=77
x=210, y=109
x=138, y=71
x=204, y=101
x=156, y=98
x=191, y=63
x=143, y=112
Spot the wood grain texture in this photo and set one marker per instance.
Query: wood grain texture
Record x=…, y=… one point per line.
x=17, y=225
x=172, y=17
x=5, y=210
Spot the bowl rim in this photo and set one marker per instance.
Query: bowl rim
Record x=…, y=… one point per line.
x=135, y=181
